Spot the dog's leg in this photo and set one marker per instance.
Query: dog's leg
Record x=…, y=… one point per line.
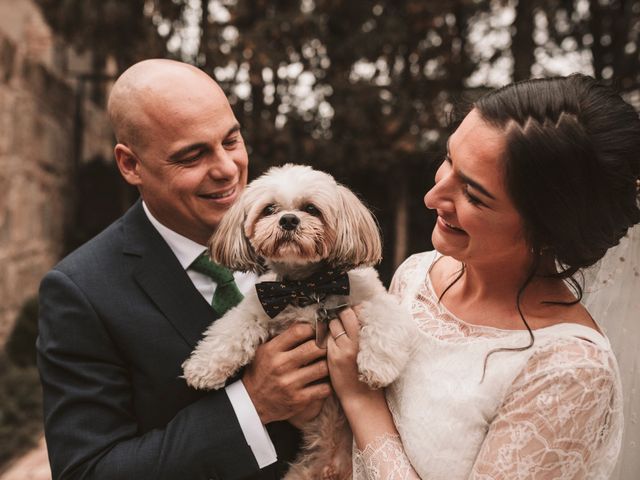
x=228, y=344
x=387, y=337
x=327, y=445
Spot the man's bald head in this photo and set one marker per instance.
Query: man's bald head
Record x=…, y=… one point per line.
x=147, y=90
x=179, y=143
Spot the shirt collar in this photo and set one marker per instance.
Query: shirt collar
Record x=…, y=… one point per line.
x=185, y=249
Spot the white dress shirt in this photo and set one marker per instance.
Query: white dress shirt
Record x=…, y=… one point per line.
x=186, y=251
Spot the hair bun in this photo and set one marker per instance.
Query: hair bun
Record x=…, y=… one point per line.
x=571, y=161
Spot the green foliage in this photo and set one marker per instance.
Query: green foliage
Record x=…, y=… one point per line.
x=20, y=409
x=120, y=28
x=21, y=344
x=386, y=127
x=380, y=76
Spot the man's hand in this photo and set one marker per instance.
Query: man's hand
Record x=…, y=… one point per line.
x=306, y=415
x=281, y=380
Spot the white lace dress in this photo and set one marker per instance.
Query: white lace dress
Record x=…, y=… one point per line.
x=552, y=411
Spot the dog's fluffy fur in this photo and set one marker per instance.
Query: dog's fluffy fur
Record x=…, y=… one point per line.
x=335, y=229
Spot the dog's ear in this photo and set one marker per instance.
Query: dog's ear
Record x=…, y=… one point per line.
x=357, y=237
x=229, y=246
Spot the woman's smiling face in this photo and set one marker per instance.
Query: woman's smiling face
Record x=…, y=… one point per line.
x=477, y=220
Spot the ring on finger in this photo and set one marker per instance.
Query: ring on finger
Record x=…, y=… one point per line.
x=340, y=334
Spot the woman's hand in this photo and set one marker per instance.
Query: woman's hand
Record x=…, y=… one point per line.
x=365, y=408
x=342, y=355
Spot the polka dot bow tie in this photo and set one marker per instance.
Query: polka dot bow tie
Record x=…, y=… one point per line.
x=275, y=296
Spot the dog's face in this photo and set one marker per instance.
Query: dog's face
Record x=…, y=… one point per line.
x=296, y=216
x=291, y=216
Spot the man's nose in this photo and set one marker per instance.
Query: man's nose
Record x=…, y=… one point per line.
x=222, y=165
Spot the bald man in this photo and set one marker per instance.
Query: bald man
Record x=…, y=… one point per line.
x=120, y=314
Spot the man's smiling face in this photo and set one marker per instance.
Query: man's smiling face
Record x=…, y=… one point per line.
x=192, y=161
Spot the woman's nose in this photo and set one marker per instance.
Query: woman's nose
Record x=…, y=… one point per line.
x=430, y=198
x=439, y=197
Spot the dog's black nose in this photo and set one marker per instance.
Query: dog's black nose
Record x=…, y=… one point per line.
x=289, y=221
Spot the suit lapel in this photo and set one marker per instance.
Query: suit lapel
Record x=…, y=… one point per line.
x=161, y=276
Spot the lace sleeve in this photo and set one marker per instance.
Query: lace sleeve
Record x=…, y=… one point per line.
x=384, y=459
x=406, y=274
x=398, y=282
x=557, y=422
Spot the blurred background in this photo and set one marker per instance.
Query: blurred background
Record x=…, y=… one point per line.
x=363, y=89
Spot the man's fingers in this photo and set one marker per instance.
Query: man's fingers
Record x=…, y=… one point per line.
x=306, y=353
x=292, y=337
x=315, y=407
x=318, y=391
x=311, y=373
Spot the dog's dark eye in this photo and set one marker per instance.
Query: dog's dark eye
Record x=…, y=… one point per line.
x=269, y=210
x=311, y=209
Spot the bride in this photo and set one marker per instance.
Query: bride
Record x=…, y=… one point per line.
x=512, y=378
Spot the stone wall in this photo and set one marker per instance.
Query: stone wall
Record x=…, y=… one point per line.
x=37, y=157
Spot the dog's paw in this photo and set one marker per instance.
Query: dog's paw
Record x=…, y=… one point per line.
x=377, y=373
x=202, y=376
x=386, y=342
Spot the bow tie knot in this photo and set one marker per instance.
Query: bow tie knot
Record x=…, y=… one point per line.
x=275, y=296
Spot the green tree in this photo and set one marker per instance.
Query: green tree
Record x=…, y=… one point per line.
x=362, y=89
x=126, y=30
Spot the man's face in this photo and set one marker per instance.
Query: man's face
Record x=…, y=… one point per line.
x=192, y=159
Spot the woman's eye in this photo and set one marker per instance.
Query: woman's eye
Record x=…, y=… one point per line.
x=269, y=210
x=473, y=200
x=311, y=209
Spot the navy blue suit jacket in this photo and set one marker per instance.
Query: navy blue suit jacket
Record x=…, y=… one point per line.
x=117, y=319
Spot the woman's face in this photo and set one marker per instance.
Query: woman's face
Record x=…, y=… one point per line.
x=477, y=221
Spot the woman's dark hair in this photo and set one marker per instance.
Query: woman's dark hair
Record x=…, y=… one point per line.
x=571, y=163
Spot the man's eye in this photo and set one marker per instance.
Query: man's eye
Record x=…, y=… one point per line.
x=230, y=142
x=269, y=210
x=191, y=158
x=311, y=209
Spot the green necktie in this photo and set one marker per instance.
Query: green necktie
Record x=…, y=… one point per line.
x=227, y=294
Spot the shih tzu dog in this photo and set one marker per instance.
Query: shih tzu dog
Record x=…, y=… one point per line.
x=317, y=243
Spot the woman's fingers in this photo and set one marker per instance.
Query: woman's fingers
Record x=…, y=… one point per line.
x=350, y=323
x=336, y=328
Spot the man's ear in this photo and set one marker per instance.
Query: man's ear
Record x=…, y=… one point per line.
x=128, y=164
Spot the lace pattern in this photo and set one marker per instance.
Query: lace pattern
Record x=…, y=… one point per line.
x=553, y=411
x=432, y=316
x=384, y=459
x=557, y=422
